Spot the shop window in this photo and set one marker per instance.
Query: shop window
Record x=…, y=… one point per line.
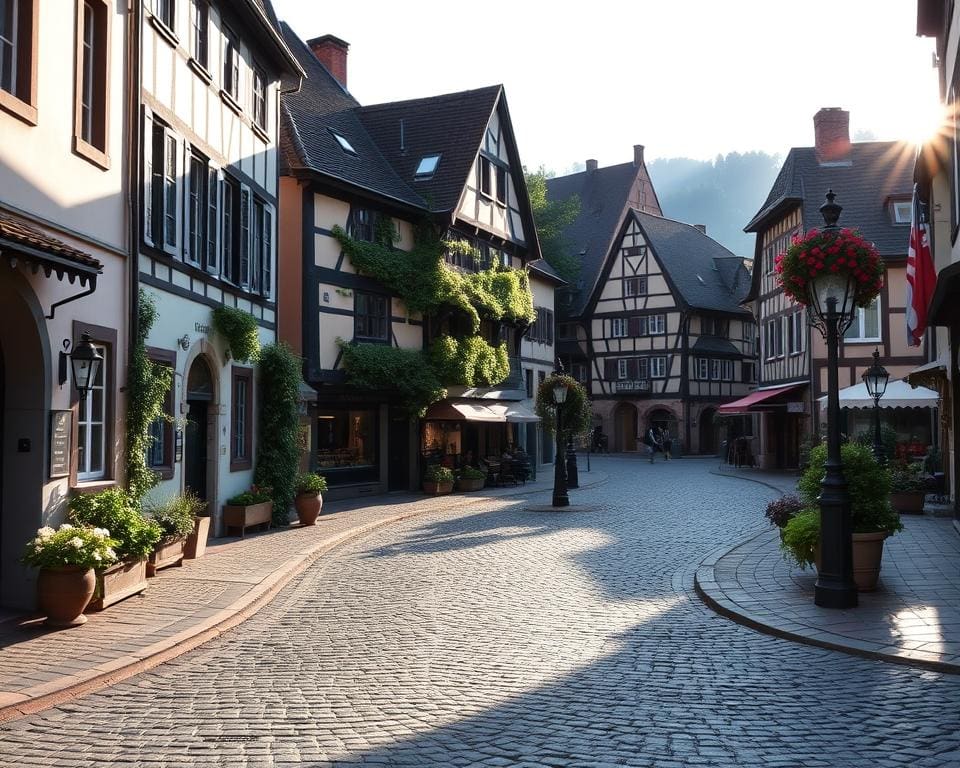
x=241, y=419
x=347, y=445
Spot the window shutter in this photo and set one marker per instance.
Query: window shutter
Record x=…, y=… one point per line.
x=268, y=255
x=212, y=256
x=183, y=194
x=634, y=326
x=549, y=326
x=633, y=369
x=246, y=235
x=610, y=369
x=148, y=177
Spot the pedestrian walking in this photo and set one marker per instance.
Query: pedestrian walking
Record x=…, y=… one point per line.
x=652, y=441
x=667, y=442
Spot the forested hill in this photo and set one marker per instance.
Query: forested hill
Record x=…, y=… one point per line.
x=724, y=193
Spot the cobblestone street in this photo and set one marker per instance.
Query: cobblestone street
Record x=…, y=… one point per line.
x=515, y=637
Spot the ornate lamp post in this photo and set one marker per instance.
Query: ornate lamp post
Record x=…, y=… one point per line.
x=560, y=498
x=876, y=378
x=832, y=300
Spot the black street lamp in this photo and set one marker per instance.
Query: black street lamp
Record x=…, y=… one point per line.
x=832, y=301
x=560, y=498
x=876, y=378
x=85, y=362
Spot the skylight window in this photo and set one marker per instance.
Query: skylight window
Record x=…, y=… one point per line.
x=427, y=167
x=345, y=145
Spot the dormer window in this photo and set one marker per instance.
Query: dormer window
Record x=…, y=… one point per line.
x=427, y=167
x=345, y=145
x=902, y=211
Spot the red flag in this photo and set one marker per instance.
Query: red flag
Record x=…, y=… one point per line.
x=921, y=275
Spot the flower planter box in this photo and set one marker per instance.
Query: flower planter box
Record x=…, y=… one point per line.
x=117, y=583
x=437, y=488
x=247, y=517
x=167, y=553
x=908, y=502
x=196, y=543
x=470, y=483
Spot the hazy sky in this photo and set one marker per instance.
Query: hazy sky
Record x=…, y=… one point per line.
x=687, y=78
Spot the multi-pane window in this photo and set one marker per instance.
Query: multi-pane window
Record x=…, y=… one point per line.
x=259, y=98
x=86, y=77
x=715, y=370
x=501, y=185
x=160, y=449
x=243, y=261
x=92, y=424
x=231, y=199
x=658, y=367
x=486, y=176
x=579, y=372
x=728, y=370
x=866, y=324
x=164, y=11
x=212, y=259
x=656, y=324
x=618, y=327
x=702, y=369
x=795, y=333
x=199, y=31
x=161, y=192
x=169, y=184
x=266, y=251
x=541, y=330
x=256, y=253
x=10, y=38
x=371, y=316
x=622, y=369
x=231, y=65
x=773, y=338
x=91, y=78
x=18, y=53
x=197, y=202
x=635, y=286
x=241, y=419
x=361, y=224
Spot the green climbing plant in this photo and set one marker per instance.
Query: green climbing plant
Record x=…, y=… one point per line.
x=382, y=367
x=470, y=361
x=576, y=409
x=147, y=386
x=240, y=330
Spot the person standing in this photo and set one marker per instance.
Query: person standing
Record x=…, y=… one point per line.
x=667, y=442
x=652, y=441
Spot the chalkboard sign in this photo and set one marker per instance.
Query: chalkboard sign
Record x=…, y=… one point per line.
x=61, y=430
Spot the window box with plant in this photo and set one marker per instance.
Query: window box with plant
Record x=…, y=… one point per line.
x=67, y=559
x=308, y=501
x=177, y=519
x=908, y=488
x=116, y=511
x=438, y=479
x=253, y=508
x=470, y=479
x=872, y=517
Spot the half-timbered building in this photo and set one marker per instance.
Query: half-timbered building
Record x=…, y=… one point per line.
x=210, y=83
x=449, y=161
x=872, y=181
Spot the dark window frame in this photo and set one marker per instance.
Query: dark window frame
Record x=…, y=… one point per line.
x=92, y=82
x=164, y=469
x=105, y=337
x=19, y=95
x=200, y=32
x=258, y=88
x=368, y=325
x=244, y=439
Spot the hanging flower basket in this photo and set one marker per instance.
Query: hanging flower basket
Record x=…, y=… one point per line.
x=822, y=252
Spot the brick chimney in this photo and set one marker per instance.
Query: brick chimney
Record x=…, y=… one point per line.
x=638, y=155
x=591, y=166
x=332, y=53
x=831, y=130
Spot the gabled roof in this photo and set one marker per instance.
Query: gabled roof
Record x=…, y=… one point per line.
x=267, y=26
x=876, y=171
x=542, y=268
x=451, y=125
x=321, y=108
x=703, y=273
x=604, y=196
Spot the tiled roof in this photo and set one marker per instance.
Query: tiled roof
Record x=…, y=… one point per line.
x=604, y=194
x=542, y=267
x=714, y=345
x=451, y=125
x=322, y=107
x=705, y=274
x=876, y=171
x=18, y=233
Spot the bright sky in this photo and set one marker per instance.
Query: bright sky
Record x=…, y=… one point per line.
x=689, y=78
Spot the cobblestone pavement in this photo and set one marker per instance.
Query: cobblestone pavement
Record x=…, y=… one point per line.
x=512, y=637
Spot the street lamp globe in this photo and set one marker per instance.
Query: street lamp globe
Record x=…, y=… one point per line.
x=876, y=377
x=85, y=361
x=559, y=393
x=832, y=295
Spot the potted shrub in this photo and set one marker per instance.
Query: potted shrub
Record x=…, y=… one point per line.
x=135, y=538
x=781, y=511
x=872, y=517
x=248, y=509
x=308, y=501
x=437, y=479
x=67, y=558
x=907, y=488
x=176, y=518
x=470, y=479
x=196, y=543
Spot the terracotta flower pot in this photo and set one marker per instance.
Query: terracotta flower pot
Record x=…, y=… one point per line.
x=196, y=543
x=908, y=502
x=63, y=593
x=308, y=507
x=867, y=553
x=437, y=488
x=470, y=483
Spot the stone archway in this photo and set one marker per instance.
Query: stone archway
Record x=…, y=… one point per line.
x=625, y=426
x=200, y=438
x=24, y=419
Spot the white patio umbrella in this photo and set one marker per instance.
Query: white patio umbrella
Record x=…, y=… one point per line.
x=899, y=394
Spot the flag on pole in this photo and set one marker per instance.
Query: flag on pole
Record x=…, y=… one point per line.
x=921, y=275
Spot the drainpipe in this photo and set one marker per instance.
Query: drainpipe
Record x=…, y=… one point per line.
x=134, y=22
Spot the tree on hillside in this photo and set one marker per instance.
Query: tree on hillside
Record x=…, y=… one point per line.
x=551, y=218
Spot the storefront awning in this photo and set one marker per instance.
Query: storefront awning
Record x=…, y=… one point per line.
x=899, y=394
x=515, y=413
x=756, y=400
x=446, y=411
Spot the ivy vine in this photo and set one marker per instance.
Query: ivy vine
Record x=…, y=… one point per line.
x=240, y=330
x=147, y=386
x=470, y=361
x=382, y=367
x=577, y=416
x=278, y=453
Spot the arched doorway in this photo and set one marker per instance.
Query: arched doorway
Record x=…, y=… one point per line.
x=625, y=427
x=663, y=418
x=708, y=431
x=24, y=419
x=199, y=460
